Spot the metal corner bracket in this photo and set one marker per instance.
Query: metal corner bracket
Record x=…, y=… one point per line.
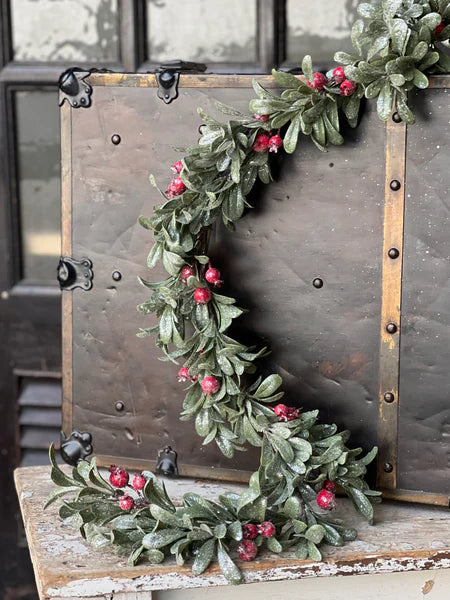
x=75, y=447
x=74, y=88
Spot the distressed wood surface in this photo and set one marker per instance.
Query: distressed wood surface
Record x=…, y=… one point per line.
x=404, y=538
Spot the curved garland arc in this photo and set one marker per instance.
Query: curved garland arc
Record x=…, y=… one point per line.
x=286, y=505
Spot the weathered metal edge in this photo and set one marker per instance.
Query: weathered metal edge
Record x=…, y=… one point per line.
x=391, y=289
x=66, y=250
x=211, y=80
x=417, y=496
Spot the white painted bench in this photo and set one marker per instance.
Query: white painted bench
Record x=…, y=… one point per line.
x=405, y=556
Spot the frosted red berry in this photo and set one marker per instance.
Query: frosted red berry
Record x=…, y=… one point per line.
x=339, y=75
x=247, y=550
x=439, y=29
x=202, y=295
x=275, y=142
x=249, y=531
x=329, y=485
x=261, y=143
x=118, y=477
x=177, y=167
x=261, y=118
x=266, y=529
x=318, y=82
x=325, y=500
x=175, y=188
x=139, y=482
x=286, y=413
x=347, y=87
x=183, y=374
x=126, y=503
x=210, y=385
x=212, y=276
x=186, y=272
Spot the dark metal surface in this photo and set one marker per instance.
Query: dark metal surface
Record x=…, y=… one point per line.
x=424, y=429
x=72, y=273
x=324, y=341
x=320, y=221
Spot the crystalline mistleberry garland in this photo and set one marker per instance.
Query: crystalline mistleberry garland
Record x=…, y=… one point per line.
x=286, y=504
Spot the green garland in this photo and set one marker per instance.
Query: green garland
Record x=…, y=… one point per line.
x=396, y=43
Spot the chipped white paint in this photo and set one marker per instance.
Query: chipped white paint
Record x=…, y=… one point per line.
x=25, y=495
x=391, y=586
x=175, y=580
x=56, y=545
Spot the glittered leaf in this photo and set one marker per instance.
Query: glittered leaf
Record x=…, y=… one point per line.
x=227, y=566
x=204, y=556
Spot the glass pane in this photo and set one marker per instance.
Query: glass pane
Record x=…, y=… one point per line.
x=201, y=30
x=37, y=123
x=65, y=30
x=319, y=28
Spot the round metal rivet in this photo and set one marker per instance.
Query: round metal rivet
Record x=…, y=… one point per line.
x=391, y=328
x=395, y=185
x=393, y=253
x=75, y=103
x=388, y=468
x=83, y=100
x=396, y=118
x=120, y=406
x=389, y=397
x=318, y=283
x=116, y=139
x=117, y=275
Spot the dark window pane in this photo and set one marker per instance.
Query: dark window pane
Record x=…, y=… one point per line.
x=37, y=122
x=201, y=30
x=65, y=30
x=319, y=28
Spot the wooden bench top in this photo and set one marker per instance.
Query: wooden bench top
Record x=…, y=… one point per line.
x=405, y=538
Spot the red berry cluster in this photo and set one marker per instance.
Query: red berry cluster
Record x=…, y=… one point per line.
x=247, y=549
x=286, y=413
x=202, y=295
x=119, y=478
x=264, y=142
x=176, y=187
x=326, y=498
x=346, y=86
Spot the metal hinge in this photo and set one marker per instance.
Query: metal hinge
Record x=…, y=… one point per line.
x=75, y=273
x=168, y=76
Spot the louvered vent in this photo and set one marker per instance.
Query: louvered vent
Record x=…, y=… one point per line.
x=39, y=419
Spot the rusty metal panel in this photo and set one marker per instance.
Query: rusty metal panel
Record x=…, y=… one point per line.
x=424, y=423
